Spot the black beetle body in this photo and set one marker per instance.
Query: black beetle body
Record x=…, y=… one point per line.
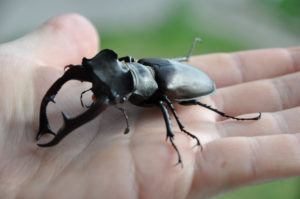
x=178, y=80
x=147, y=82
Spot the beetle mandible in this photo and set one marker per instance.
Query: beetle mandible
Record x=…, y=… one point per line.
x=146, y=82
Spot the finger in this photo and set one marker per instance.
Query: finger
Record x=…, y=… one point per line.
x=233, y=68
x=259, y=96
x=232, y=162
x=286, y=122
x=61, y=41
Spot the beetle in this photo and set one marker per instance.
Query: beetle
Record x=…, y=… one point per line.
x=147, y=82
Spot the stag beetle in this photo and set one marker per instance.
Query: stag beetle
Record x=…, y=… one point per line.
x=146, y=82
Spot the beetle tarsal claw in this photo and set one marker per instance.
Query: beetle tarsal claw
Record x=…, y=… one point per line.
x=126, y=130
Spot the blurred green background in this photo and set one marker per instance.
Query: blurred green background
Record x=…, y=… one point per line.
x=166, y=29
x=245, y=25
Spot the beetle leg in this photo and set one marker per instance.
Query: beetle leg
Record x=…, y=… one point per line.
x=73, y=72
x=181, y=127
x=195, y=102
x=81, y=95
x=126, y=118
x=170, y=134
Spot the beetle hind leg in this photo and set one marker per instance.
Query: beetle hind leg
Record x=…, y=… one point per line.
x=181, y=127
x=170, y=134
x=195, y=102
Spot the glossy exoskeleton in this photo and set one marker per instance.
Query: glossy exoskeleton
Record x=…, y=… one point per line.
x=147, y=82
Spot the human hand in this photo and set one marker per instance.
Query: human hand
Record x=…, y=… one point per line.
x=98, y=160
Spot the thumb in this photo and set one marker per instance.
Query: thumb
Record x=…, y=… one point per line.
x=62, y=40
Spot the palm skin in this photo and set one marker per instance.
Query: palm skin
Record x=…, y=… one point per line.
x=99, y=161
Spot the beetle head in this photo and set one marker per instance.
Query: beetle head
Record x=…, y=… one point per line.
x=112, y=77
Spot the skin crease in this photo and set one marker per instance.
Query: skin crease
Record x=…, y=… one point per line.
x=99, y=161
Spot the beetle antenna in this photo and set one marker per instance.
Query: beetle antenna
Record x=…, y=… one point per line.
x=190, y=52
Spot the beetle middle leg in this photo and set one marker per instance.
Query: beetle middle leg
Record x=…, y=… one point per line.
x=170, y=134
x=181, y=127
x=126, y=119
x=81, y=95
x=195, y=102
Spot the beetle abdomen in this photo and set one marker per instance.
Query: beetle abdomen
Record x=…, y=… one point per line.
x=179, y=80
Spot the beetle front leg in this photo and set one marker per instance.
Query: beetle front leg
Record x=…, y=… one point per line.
x=195, y=102
x=73, y=72
x=170, y=134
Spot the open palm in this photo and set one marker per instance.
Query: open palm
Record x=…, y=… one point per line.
x=99, y=161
